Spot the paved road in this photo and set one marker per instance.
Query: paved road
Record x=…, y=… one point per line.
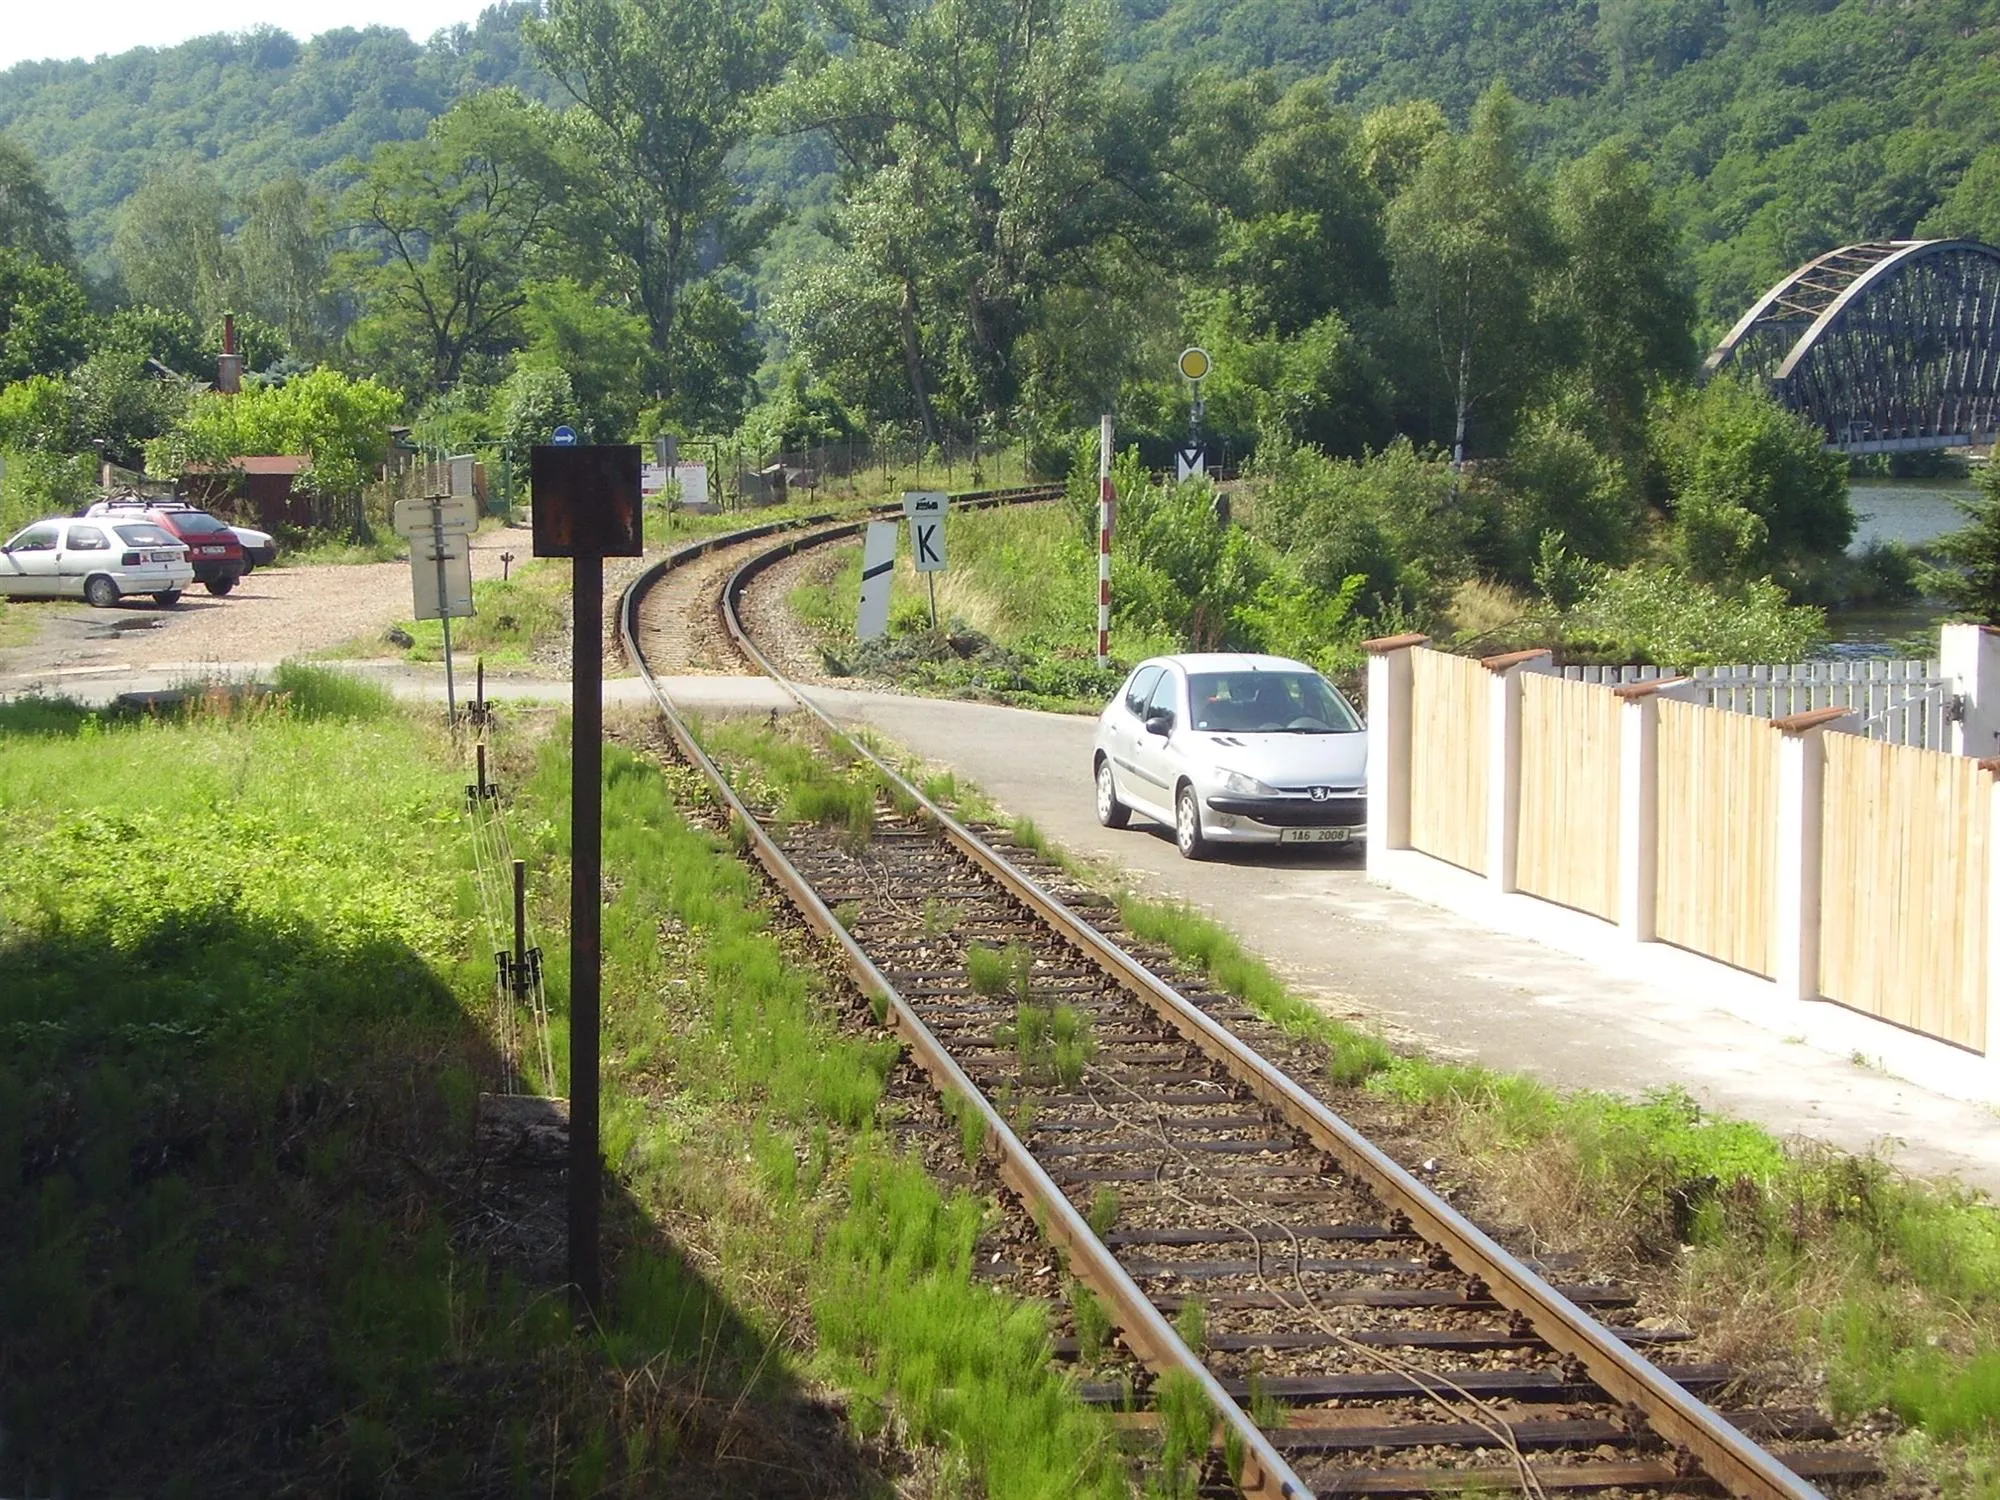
x=1426, y=977
x=1420, y=975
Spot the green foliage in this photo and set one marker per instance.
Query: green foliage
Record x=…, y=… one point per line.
x=1751, y=487
x=1389, y=519
x=171, y=248
x=530, y=405
x=601, y=349
x=43, y=484
x=32, y=222
x=341, y=424
x=44, y=317
x=1967, y=574
x=1654, y=614
x=457, y=223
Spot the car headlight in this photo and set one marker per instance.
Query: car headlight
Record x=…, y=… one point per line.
x=1244, y=786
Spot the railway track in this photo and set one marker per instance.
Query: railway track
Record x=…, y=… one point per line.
x=1348, y=1331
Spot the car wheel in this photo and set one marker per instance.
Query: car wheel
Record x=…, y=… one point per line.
x=100, y=592
x=1187, y=823
x=167, y=597
x=219, y=586
x=1110, y=811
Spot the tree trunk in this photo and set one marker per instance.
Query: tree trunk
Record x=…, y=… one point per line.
x=913, y=358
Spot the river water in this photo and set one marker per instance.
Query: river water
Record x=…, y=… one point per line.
x=1910, y=511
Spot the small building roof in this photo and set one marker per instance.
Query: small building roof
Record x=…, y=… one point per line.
x=258, y=463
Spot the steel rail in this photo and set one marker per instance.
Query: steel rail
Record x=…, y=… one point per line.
x=1146, y=1331
x=1728, y=1457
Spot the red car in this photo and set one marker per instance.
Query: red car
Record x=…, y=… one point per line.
x=213, y=549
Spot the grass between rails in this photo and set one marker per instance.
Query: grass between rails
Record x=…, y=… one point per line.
x=727, y=1054
x=1888, y=1287
x=242, y=1244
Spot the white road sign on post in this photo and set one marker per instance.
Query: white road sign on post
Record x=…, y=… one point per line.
x=440, y=530
x=1190, y=462
x=878, y=569
x=441, y=577
x=926, y=509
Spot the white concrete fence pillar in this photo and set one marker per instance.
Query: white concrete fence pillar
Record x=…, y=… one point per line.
x=1389, y=673
x=1639, y=804
x=1970, y=656
x=1503, y=762
x=1801, y=826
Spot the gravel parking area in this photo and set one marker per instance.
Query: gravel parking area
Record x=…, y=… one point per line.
x=274, y=613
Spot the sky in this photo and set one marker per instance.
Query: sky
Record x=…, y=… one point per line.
x=90, y=28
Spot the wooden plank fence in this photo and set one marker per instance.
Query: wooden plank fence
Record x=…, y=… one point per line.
x=1449, y=705
x=1718, y=835
x=1903, y=702
x=1568, y=851
x=1904, y=869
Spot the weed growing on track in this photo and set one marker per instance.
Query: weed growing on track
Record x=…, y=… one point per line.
x=736, y=1104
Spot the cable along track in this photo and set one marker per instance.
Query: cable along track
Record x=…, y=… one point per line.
x=1389, y=1345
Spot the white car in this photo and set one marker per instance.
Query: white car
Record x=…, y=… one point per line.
x=1231, y=748
x=260, y=548
x=100, y=559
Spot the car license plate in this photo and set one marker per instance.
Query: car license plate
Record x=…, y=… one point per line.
x=213, y=551
x=161, y=556
x=1314, y=835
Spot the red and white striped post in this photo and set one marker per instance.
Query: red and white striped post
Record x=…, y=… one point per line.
x=1106, y=500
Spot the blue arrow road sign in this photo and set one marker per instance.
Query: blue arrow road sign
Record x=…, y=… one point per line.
x=564, y=437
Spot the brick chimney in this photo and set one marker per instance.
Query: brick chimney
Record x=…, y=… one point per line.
x=229, y=368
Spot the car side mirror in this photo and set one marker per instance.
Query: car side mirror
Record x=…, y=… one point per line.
x=1160, y=721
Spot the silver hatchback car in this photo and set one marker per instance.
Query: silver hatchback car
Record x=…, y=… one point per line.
x=1229, y=748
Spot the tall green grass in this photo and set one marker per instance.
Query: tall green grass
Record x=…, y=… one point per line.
x=734, y=1082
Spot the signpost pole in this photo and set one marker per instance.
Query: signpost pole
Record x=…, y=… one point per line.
x=444, y=606
x=586, y=832
x=1104, y=504
x=586, y=507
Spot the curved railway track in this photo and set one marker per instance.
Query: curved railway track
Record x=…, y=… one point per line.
x=1233, y=1227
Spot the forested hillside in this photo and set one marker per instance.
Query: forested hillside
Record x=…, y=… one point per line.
x=250, y=108
x=1456, y=261
x=1777, y=130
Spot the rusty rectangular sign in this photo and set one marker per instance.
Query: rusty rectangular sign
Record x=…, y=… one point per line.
x=586, y=500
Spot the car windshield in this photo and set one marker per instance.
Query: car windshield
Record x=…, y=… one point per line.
x=1270, y=702
x=197, y=523
x=143, y=534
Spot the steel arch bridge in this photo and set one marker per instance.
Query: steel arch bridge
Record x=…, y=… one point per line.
x=1889, y=346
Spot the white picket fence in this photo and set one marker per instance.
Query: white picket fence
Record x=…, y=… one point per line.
x=1901, y=702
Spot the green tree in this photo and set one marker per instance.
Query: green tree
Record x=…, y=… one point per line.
x=1623, y=286
x=283, y=249
x=1967, y=576
x=666, y=89
x=530, y=405
x=341, y=424
x=457, y=223
x=31, y=221
x=44, y=318
x=1751, y=487
x=170, y=246
x=600, y=347
x=976, y=139
x=1469, y=242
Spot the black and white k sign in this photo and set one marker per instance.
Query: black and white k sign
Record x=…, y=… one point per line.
x=926, y=509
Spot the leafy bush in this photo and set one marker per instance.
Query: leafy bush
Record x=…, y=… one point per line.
x=1657, y=614
x=1391, y=518
x=1751, y=488
x=42, y=484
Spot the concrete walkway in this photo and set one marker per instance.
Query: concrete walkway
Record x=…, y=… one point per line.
x=1418, y=974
